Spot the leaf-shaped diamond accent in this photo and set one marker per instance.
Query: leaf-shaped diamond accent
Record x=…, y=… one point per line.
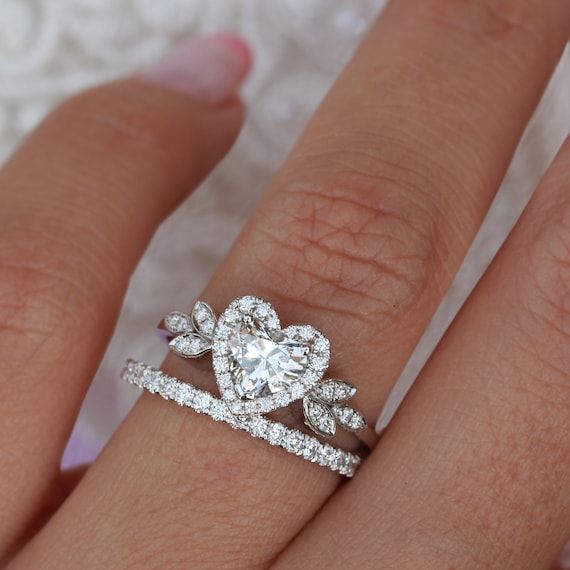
x=189, y=345
x=319, y=417
x=349, y=418
x=178, y=323
x=334, y=391
x=203, y=319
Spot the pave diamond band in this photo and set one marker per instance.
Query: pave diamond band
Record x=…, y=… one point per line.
x=275, y=433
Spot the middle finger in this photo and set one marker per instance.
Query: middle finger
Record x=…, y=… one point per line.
x=359, y=234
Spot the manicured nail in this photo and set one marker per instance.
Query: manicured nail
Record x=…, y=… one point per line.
x=209, y=68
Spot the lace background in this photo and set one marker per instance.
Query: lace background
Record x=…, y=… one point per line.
x=51, y=48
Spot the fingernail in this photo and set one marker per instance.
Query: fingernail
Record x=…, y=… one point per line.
x=208, y=68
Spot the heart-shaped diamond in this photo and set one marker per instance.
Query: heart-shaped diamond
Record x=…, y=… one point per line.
x=260, y=367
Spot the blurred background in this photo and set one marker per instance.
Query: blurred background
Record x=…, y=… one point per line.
x=52, y=48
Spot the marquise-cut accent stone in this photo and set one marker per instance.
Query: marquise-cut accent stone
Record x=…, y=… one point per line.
x=349, y=418
x=334, y=391
x=203, y=319
x=319, y=417
x=177, y=322
x=189, y=345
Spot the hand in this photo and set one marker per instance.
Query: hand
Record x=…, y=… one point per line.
x=359, y=234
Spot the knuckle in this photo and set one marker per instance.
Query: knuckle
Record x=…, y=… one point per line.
x=343, y=245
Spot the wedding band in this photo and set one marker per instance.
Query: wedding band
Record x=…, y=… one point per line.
x=274, y=433
x=259, y=368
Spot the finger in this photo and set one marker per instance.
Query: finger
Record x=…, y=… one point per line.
x=80, y=200
x=473, y=473
x=358, y=235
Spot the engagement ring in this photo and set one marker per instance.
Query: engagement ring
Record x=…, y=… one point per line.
x=259, y=368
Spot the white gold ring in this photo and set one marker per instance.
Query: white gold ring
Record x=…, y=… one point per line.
x=260, y=367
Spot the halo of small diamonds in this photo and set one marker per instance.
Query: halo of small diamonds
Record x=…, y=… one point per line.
x=248, y=308
x=292, y=440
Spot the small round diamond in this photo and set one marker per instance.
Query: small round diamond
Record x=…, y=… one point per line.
x=293, y=441
x=184, y=395
x=310, y=378
x=201, y=402
x=336, y=459
x=246, y=304
x=221, y=365
x=306, y=333
x=218, y=410
x=225, y=379
x=222, y=347
x=151, y=381
x=236, y=407
x=324, y=454
x=170, y=389
x=282, y=399
x=265, y=405
x=222, y=331
x=321, y=345
x=310, y=448
x=257, y=426
x=297, y=391
x=275, y=433
x=261, y=311
x=320, y=362
x=231, y=316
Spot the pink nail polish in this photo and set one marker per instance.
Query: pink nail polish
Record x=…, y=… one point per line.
x=209, y=68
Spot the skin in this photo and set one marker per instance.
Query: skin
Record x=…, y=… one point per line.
x=359, y=234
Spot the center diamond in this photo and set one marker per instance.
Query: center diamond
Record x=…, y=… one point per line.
x=261, y=365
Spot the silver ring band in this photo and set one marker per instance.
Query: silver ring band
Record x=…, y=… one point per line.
x=275, y=433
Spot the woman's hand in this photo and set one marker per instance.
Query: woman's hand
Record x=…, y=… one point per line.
x=359, y=234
